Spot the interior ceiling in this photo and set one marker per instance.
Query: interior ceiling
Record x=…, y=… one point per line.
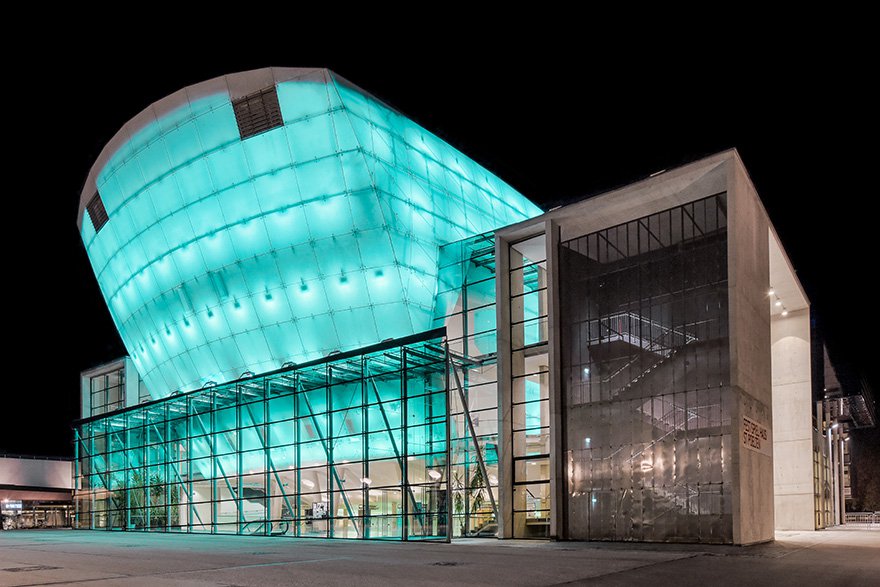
x=783, y=281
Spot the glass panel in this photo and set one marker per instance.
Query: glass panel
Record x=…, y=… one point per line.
x=645, y=356
x=283, y=463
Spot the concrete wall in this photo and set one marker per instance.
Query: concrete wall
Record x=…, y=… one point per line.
x=750, y=362
x=55, y=474
x=792, y=417
x=750, y=394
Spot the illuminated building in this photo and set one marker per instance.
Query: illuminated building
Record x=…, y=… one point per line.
x=350, y=329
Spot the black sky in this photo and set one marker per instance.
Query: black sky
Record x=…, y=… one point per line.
x=557, y=126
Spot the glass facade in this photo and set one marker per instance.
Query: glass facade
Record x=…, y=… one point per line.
x=645, y=353
x=107, y=391
x=352, y=446
x=225, y=254
x=530, y=388
x=466, y=308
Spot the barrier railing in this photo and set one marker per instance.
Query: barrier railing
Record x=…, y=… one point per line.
x=870, y=520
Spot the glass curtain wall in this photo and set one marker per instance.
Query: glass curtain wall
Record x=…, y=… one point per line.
x=645, y=352
x=353, y=446
x=530, y=388
x=107, y=391
x=466, y=308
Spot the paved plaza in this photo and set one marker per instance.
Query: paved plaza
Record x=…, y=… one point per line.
x=62, y=557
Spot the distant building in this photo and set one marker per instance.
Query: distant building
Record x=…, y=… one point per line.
x=840, y=408
x=35, y=492
x=350, y=329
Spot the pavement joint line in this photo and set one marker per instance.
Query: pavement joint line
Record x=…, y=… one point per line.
x=582, y=580
x=805, y=547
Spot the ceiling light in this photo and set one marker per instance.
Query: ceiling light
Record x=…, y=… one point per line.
x=778, y=302
x=435, y=475
x=366, y=481
x=785, y=313
x=771, y=292
x=308, y=483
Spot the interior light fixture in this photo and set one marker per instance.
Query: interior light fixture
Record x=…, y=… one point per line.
x=308, y=483
x=772, y=292
x=435, y=475
x=778, y=302
x=366, y=481
x=784, y=313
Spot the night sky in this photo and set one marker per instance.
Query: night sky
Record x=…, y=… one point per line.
x=557, y=127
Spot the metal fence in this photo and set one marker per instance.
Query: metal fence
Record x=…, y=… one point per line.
x=870, y=520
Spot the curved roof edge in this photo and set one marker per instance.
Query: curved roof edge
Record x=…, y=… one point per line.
x=236, y=85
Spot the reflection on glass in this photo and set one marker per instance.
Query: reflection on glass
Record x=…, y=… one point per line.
x=466, y=307
x=645, y=358
x=530, y=388
x=285, y=454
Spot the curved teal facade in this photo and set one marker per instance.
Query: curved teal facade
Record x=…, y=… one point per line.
x=223, y=255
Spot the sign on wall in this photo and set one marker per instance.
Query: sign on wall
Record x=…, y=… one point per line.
x=756, y=436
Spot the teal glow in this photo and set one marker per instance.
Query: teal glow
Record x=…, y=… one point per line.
x=223, y=256
x=255, y=456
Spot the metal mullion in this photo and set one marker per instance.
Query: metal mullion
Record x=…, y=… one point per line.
x=330, y=464
x=297, y=455
x=401, y=460
x=480, y=461
x=449, y=517
x=269, y=465
x=239, y=459
x=365, y=447
x=216, y=461
x=176, y=474
x=403, y=439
